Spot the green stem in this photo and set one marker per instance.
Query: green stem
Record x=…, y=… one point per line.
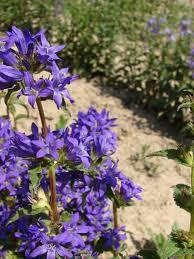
x=52, y=177
x=8, y=112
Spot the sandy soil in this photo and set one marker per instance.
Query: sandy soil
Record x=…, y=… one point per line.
x=157, y=211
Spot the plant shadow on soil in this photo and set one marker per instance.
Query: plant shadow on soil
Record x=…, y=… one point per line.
x=144, y=118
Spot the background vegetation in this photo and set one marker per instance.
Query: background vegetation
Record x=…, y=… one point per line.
x=110, y=40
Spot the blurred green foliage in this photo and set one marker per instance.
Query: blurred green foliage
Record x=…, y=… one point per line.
x=108, y=39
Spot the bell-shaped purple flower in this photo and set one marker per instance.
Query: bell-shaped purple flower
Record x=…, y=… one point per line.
x=32, y=88
x=49, y=146
x=46, y=51
x=57, y=86
x=8, y=76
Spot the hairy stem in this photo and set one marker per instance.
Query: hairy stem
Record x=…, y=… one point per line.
x=52, y=177
x=42, y=117
x=53, y=202
x=115, y=216
x=115, y=223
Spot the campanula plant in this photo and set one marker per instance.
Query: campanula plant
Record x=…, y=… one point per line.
x=56, y=186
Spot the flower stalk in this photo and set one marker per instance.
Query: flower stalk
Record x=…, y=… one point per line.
x=52, y=177
x=42, y=117
x=115, y=216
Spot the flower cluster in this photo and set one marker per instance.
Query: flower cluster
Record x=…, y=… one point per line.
x=56, y=187
x=22, y=56
x=158, y=26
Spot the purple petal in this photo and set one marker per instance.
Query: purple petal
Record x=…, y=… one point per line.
x=51, y=254
x=55, y=155
x=40, y=153
x=28, y=79
x=45, y=92
x=57, y=99
x=44, y=40
x=57, y=48
x=32, y=100
x=85, y=162
x=75, y=218
x=40, y=250
x=63, y=252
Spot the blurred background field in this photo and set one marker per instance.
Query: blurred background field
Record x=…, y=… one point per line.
x=133, y=58
x=110, y=40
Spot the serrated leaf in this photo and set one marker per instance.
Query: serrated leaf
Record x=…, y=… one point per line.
x=170, y=154
x=182, y=196
x=169, y=250
x=163, y=249
x=186, y=105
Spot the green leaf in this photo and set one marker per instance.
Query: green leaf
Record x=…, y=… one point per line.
x=9, y=93
x=62, y=122
x=186, y=105
x=117, y=199
x=38, y=209
x=100, y=245
x=169, y=249
x=13, y=255
x=65, y=216
x=173, y=154
x=35, y=177
x=182, y=196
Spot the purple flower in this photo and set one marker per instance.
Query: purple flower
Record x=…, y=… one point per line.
x=8, y=76
x=154, y=24
x=72, y=232
x=77, y=151
x=32, y=88
x=46, y=51
x=185, y=27
x=49, y=146
x=50, y=246
x=129, y=190
x=105, y=144
x=56, y=87
x=5, y=138
x=113, y=238
x=8, y=57
x=22, y=40
x=96, y=122
x=170, y=34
